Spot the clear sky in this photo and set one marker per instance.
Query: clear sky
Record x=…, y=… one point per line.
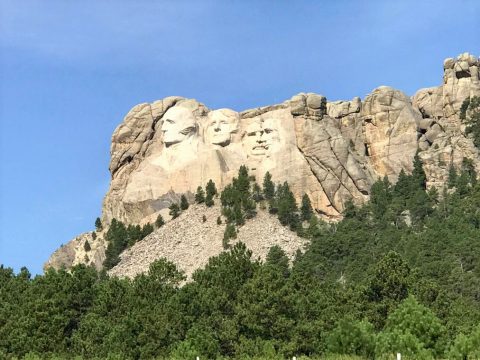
x=70, y=70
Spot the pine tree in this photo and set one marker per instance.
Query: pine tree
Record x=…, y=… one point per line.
x=211, y=188
x=200, y=195
x=349, y=211
x=87, y=246
x=452, y=177
x=98, y=224
x=418, y=173
x=470, y=114
x=268, y=186
x=257, y=193
x=230, y=233
x=306, y=208
x=287, y=207
x=242, y=183
x=183, y=202
x=147, y=229
x=174, y=210
x=159, y=222
x=219, y=220
x=209, y=200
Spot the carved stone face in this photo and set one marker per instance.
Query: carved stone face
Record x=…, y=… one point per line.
x=221, y=125
x=178, y=124
x=261, y=138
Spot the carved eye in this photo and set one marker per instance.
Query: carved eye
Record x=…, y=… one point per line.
x=253, y=133
x=170, y=121
x=267, y=131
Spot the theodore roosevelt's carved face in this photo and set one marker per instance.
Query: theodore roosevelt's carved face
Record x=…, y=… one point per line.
x=221, y=125
x=261, y=138
x=178, y=124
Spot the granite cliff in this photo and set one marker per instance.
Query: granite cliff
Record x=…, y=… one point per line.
x=331, y=151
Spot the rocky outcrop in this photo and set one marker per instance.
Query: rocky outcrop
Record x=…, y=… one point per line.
x=75, y=252
x=331, y=151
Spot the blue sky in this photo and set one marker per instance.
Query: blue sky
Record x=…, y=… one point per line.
x=70, y=71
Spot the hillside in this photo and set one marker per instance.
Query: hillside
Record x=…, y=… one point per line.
x=189, y=242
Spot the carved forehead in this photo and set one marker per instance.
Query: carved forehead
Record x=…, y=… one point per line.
x=254, y=126
x=179, y=114
x=270, y=122
x=224, y=114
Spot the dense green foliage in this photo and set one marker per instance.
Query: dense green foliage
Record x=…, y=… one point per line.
x=200, y=195
x=401, y=273
x=174, y=210
x=159, y=222
x=470, y=114
x=184, y=203
x=211, y=192
x=119, y=237
x=98, y=224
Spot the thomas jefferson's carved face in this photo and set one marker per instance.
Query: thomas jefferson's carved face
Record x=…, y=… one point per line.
x=221, y=125
x=178, y=124
x=261, y=138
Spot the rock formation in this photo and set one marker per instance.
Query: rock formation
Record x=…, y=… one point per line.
x=331, y=151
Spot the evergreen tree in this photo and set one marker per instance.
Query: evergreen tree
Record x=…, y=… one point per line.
x=147, y=229
x=87, y=246
x=268, y=186
x=470, y=114
x=174, y=210
x=211, y=188
x=219, y=220
x=200, y=195
x=230, y=233
x=350, y=211
x=98, y=224
x=287, y=207
x=452, y=177
x=412, y=324
x=257, y=193
x=380, y=197
x=117, y=238
x=469, y=169
x=183, y=202
x=418, y=174
x=160, y=221
x=242, y=183
x=306, y=209
x=209, y=200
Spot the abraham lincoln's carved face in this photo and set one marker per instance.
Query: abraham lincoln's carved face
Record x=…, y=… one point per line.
x=261, y=138
x=178, y=124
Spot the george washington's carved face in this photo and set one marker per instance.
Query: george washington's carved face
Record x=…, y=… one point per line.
x=221, y=125
x=261, y=138
x=178, y=124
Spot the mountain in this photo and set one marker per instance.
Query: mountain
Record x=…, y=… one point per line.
x=331, y=151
